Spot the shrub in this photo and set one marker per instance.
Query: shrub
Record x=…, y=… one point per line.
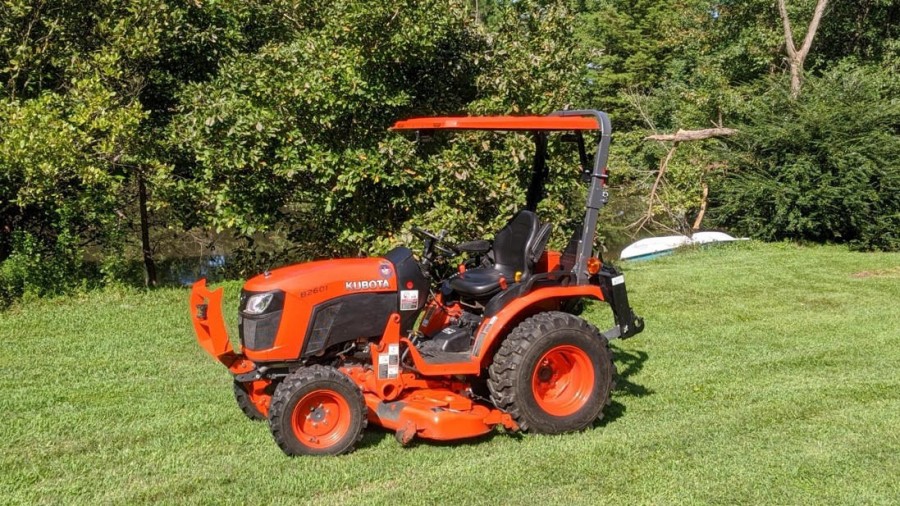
x=36, y=270
x=824, y=167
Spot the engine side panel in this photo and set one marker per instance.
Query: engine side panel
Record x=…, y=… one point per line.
x=348, y=318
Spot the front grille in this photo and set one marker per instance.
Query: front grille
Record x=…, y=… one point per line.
x=258, y=332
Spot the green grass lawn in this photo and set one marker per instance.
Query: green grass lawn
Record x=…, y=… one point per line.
x=767, y=374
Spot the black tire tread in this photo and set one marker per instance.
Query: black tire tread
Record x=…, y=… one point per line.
x=511, y=355
x=243, y=401
x=300, y=378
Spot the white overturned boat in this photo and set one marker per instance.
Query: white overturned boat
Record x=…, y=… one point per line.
x=653, y=247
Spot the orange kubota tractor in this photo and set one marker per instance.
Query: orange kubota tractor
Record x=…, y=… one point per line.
x=329, y=346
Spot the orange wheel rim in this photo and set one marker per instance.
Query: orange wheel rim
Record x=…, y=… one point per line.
x=563, y=380
x=321, y=419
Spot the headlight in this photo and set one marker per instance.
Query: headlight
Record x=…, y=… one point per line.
x=258, y=303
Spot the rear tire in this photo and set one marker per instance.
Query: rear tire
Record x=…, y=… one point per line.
x=553, y=374
x=317, y=410
x=243, y=401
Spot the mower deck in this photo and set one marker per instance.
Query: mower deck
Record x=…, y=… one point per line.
x=437, y=414
x=429, y=408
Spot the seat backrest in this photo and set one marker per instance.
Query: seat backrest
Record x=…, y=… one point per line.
x=540, y=242
x=513, y=243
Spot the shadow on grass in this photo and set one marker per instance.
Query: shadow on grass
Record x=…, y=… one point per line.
x=373, y=436
x=629, y=363
x=376, y=435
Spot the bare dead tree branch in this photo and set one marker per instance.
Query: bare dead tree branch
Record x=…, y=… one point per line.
x=703, y=203
x=635, y=99
x=652, y=199
x=692, y=135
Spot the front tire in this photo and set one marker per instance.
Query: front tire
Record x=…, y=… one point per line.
x=245, y=403
x=553, y=374
x=317, y=410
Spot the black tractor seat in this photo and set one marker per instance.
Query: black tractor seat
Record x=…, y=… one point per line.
x=516, y=248
x=480, y=283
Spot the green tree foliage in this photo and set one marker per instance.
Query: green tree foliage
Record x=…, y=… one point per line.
x=663, y=65
x=659, y=66
x=824, y=167
x=295, y=134
x=88, y=85
x=56, y=185
x=865, y=30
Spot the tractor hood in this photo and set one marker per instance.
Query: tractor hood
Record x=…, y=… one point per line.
x=328, y=278
x=284, y=331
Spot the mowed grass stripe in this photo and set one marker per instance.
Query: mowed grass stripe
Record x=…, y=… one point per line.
x=767, y=373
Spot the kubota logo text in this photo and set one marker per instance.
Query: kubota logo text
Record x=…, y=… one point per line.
x=366, y=285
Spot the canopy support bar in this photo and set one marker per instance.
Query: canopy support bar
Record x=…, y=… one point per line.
x=539, y=172
x=597, y=194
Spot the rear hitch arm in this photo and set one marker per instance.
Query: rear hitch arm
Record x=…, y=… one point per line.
x=628, y=324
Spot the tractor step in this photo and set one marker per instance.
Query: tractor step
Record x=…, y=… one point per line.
x=433, y=354
x=447, y=357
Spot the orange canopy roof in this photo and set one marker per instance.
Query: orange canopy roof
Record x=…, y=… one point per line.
x=499, y=123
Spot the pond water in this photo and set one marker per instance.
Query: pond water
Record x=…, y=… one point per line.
x=185, y=271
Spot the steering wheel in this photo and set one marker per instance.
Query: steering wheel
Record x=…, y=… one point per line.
x=435, y=241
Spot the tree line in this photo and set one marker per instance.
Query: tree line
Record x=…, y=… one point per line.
x=135, y=131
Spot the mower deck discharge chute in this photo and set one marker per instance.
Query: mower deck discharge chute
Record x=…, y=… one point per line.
x=330, y=346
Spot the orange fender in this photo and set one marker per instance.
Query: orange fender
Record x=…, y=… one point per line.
x=543, y=299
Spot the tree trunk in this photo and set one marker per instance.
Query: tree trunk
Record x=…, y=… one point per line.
x=796, y=77
x=797, y=56
x=150, y=279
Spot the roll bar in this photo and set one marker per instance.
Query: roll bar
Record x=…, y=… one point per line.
x=597, y=194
